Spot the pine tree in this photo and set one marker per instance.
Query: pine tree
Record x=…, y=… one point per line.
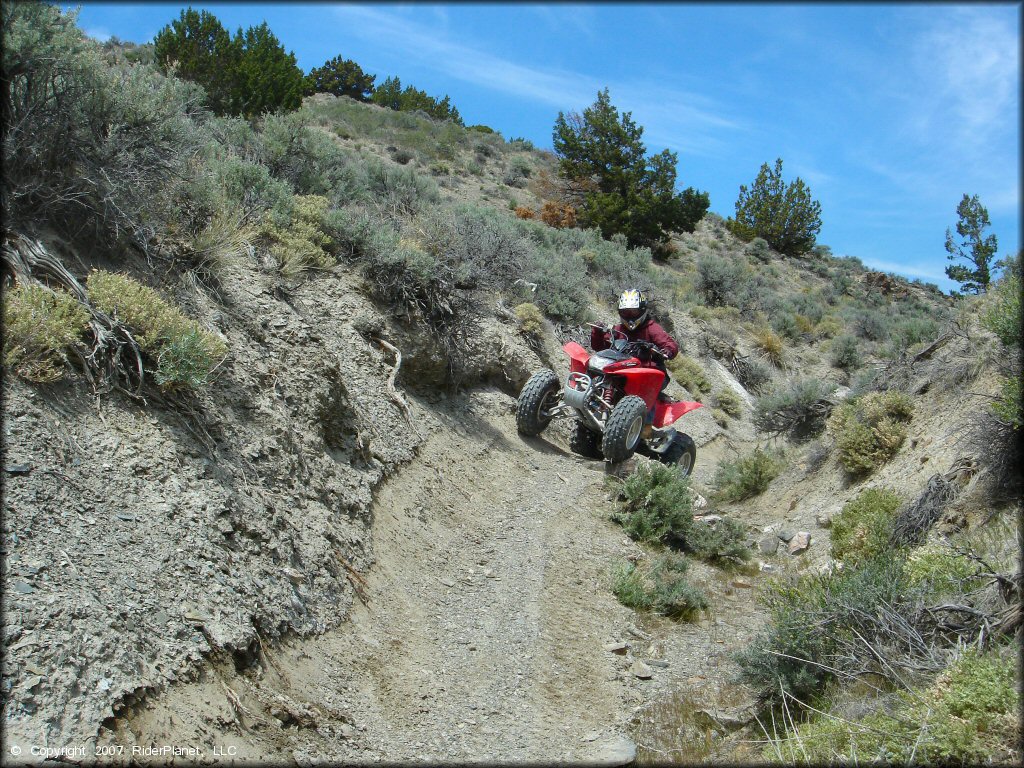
x=602, y=155
x=788, y=218
x=342, y=77
x=975, y=249
x=266, y=76
x=199, y=49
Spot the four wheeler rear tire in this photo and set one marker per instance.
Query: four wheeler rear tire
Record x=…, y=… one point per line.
x=535, y=401
x=623, y=428
x=586, y=442
x=682, y=454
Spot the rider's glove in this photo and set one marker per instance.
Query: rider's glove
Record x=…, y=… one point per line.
x=644, y=353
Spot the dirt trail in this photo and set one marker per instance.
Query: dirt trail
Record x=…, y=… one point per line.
x=483, y=629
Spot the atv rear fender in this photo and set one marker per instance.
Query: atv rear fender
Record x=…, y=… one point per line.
x=668, y=413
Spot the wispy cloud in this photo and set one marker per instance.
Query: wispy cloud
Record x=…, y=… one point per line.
x=672, y=118
x=970, y=58
x=430, y=48
x=98, y=33
x=911, y=270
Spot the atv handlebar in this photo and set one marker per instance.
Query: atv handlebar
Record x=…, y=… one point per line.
x=637, y=344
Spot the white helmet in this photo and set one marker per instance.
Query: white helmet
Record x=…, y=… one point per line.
x=633, y=308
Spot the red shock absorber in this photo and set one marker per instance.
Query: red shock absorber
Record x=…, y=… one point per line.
x=606, y=394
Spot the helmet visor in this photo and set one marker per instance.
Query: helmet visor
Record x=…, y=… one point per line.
x=631, y=314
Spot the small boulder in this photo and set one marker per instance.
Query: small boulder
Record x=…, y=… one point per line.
x=800, y=543
x=641, y=670
x=769, y=545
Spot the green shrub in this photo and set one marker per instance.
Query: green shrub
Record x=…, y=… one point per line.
x=88, y=148
x=308, y=160
x=771, y=346
x=939, y=570
x=871, y=325
x=829, y=327
x=656, y=505
x=967, y=716
x=689, y=374
x=821, y=625
x=39, y=325
x=747, y=476
x=660, y=587
x=720, y=280
x=303, y=243
x=862, y=529
x=759, y=249
x=531, y=320
x=798, y=407
x=185, y=354
x=722, y=542
x=870, y=429
x=845, y=353
x=1002, y=310
x=400, y=191
x=729, y=401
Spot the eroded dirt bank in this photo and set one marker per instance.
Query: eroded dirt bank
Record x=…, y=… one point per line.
x=479, y=634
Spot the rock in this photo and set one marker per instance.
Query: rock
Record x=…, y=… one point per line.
x=641, y=670
x=658, y=663
x=619, y=648
x=799, y=543
x=786, y=535
x=618, y=751
x=742, y=584
x=823, y=521
x=724, y=719
x=766, y=568
x=769, y=545
x=699, y=502
x=448, y=582
x=23, y=587
x=18, y=469
x=347, y=731
x=709, y=519
x=488, y=573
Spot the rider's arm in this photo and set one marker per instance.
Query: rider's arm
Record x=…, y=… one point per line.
x=660, y=336
x=599, y=339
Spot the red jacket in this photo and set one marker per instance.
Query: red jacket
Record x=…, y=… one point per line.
x=649, y=331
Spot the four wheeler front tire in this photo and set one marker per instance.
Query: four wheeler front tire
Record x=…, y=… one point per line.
x=586, y=442
x=535, y=402
x=681, y=454
x=623, y=428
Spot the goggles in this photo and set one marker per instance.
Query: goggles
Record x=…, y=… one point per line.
x=630, y=314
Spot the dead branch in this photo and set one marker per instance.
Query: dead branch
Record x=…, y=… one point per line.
x=392, y=391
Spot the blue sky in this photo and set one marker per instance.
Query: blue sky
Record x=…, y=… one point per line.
x=889, y=112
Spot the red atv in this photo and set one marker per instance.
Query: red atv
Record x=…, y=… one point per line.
x=613, y=394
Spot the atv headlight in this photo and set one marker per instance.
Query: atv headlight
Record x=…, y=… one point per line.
x=599, y=363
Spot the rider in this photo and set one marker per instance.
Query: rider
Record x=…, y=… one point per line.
x=637, y=325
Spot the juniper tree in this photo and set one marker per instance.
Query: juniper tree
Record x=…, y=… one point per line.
x=198, y=48
x=621, y=190
x=977, y=250
x=788, y=218
x=342, y=77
